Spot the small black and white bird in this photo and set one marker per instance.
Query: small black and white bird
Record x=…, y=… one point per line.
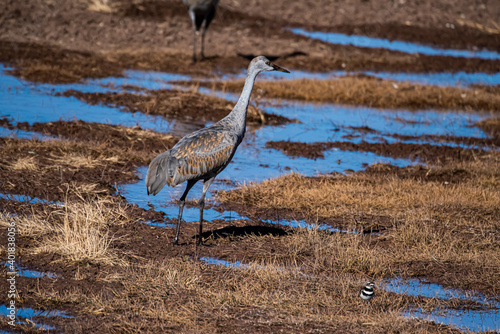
x=367, y=292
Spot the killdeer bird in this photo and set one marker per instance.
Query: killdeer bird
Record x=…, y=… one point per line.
x=367, y=291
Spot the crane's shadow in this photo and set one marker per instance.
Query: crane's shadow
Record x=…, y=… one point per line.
x=243, y=231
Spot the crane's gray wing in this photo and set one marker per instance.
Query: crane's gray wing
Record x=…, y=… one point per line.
x=200, y=155
x=203, y=154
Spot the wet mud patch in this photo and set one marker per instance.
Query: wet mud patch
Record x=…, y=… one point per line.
x=425, y=153
x=177, y=104
x=45, y=63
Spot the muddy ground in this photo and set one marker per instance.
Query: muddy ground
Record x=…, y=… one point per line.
x=58, y=41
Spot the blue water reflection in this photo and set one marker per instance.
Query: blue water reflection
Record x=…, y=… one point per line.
x=23, y=271
x=457, y=79
x=29, y=313
x=473, y=320
x=407, y=47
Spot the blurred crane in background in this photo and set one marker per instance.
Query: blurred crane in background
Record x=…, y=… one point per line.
x=201, y=12
x=203, y=154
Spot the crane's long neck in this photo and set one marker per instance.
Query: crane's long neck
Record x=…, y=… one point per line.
x=239, y=113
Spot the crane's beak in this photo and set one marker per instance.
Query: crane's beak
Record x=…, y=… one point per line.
x=281, y=69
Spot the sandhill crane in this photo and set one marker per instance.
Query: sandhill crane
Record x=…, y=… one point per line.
x=205, y=153
x=201, y=12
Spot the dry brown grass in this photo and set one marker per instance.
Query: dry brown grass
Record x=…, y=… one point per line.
x=176, y=104
x=186, y=295
x=100, y=6
x=490, y=126
x=447, y=225
x=384, y=195
x=77, y=230
x=491, y=28
x=376, y=93
x=25, y=163
x=96, y=157
x=30, y=153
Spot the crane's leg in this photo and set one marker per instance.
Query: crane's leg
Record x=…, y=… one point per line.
x=201, y=204
x=189, y=185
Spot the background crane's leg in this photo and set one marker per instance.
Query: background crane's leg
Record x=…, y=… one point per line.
x=203, y=31
x=194, y=45
x=189, y=185
x=201, y=204
x=195, y=33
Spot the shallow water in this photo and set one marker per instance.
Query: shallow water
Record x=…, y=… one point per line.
x=467, y=320
x=473, y=320
x=28, y=199
x=24, y=313
x=416, y=287
x=23, y=271
x=407, y=47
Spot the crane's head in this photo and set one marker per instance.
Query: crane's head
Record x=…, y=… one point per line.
x=261, y=63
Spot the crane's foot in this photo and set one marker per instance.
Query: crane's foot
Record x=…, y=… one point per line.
x=175, y=242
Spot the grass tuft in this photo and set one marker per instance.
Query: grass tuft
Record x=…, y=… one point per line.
x=78, y=231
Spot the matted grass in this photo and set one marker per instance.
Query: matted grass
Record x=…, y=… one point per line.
x=374, y=92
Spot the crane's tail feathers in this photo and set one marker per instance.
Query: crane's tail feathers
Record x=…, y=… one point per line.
x=158, y=173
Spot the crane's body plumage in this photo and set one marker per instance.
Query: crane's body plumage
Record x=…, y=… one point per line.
x=203, y=154
x=201, y=13
x=200, y=155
